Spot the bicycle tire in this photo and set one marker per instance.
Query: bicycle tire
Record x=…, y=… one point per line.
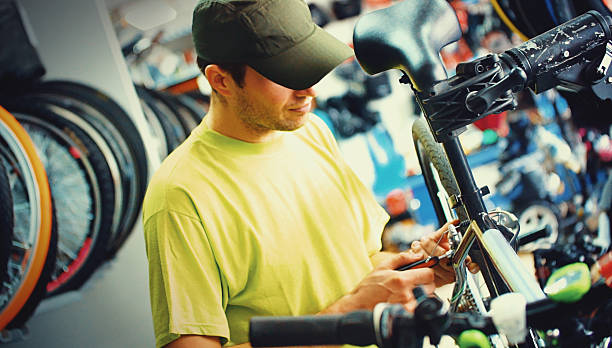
x=108, y=141
x=156, y=129
x=135, y=149
x=18, y=294
x=185, y=105
x=171, y=126
x=6, y=221
x=40, y=290
x=199, y=107
x=182, y=113
x=431, y=155
x=81, y=248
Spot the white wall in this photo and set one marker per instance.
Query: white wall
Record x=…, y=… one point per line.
x=76, y=41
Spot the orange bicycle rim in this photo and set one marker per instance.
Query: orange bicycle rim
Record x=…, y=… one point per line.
x=41, y=247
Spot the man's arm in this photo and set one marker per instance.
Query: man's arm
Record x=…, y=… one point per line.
x=198, y=341
x=383, y=284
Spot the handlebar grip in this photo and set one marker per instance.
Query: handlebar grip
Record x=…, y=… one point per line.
x=547, y=54
x=356, y=328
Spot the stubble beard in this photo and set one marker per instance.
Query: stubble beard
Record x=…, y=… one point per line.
x=261, y=118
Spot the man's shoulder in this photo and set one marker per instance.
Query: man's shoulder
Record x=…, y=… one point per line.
x=173, y=181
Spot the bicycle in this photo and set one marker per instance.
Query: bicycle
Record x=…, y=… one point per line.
x=408, y=36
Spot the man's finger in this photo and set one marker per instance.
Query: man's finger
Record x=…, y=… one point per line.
x=419, y=276
x=401, y=259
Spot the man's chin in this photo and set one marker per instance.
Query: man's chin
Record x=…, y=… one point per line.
x=295, y=124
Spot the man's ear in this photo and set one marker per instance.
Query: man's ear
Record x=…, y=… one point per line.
x=219, y=79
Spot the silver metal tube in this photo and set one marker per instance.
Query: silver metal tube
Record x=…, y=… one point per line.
x=510, y=266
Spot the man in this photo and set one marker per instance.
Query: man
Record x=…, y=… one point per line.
x=256, y=213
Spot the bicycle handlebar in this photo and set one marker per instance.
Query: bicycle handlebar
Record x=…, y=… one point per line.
x=390, y=325
x=356, y=328
x=554, y=52
x=575, y=55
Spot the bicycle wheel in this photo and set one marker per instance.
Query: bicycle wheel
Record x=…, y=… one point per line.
x=137, y=176
x=199, y=107
x=108, y=150
x=181, y=112
x=6, y=221
x=85, y=192
x=32, y=245
x=83, y=195
x=534, y=216
x=156, y=129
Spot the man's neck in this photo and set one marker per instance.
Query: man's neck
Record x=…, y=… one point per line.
x=226, y=121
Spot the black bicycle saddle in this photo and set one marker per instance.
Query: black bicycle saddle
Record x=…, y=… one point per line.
x=408, y=36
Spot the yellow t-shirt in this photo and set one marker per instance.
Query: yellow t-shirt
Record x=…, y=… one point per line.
x=235, y=230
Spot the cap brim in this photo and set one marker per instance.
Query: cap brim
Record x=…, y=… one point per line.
x=305, y=64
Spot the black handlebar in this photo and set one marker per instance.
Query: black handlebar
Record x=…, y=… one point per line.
x=356, y=328
x=574, y=55
x=547, y=58
x=391, y=326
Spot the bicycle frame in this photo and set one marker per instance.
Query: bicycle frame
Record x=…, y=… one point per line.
x=481, y=87
x=483, y=230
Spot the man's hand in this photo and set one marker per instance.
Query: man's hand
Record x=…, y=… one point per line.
x=436, y=244
x=385, y=284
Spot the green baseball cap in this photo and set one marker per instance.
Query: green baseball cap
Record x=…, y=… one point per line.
x=277, y=38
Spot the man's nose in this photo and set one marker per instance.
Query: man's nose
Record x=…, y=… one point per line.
x=308, y=92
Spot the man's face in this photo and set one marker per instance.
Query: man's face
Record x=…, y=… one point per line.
x=264, y=105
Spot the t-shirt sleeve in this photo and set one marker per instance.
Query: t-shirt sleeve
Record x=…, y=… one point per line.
x=188, y=294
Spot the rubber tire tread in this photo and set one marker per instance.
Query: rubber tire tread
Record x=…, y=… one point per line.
x=433, y=153
x=191, y=113
x=7, y=221
x=97, y=253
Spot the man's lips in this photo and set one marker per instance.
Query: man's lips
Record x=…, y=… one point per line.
x=301, y=108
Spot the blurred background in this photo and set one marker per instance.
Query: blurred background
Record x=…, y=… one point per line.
x=96, y=93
